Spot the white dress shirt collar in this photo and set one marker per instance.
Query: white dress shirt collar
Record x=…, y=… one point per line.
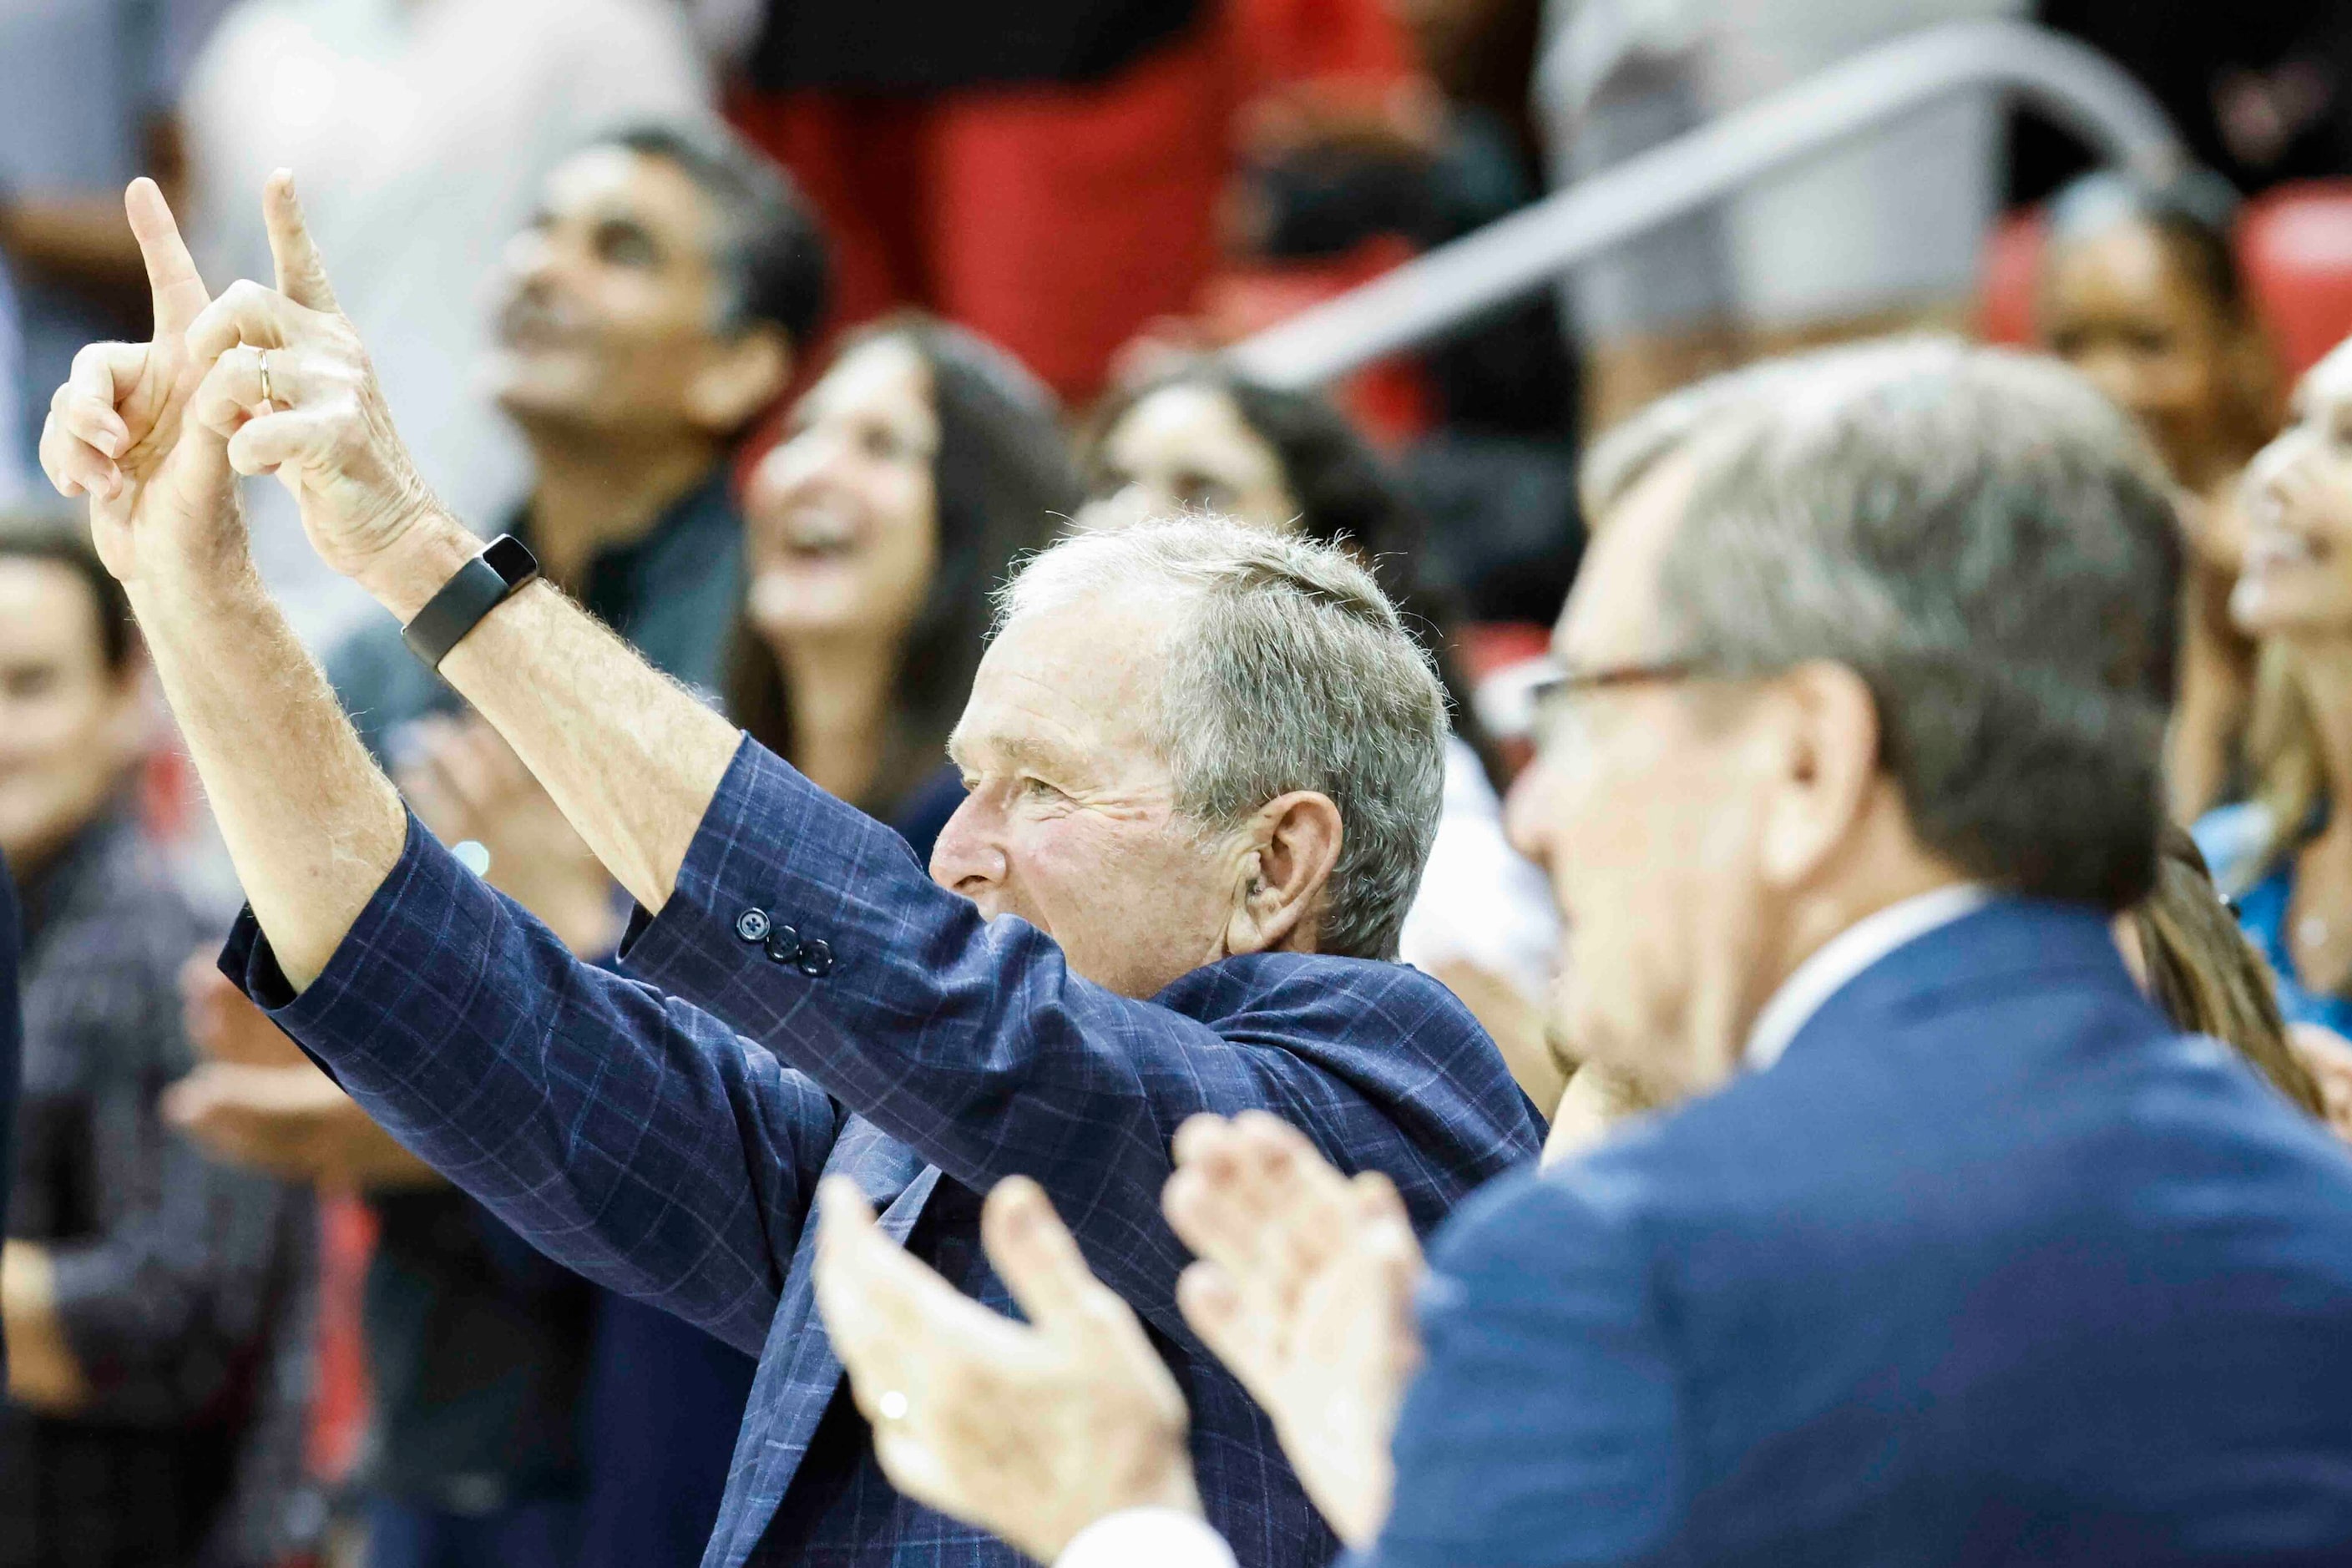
x=1846, y=955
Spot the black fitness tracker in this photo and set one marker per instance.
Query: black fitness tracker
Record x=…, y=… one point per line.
x=481, y=585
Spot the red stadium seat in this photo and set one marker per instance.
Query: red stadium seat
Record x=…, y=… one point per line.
x=2296, y=244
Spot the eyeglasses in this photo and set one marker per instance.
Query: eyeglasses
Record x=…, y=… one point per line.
x=1556, y=699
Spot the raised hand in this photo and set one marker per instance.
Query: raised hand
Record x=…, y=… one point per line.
x=290, y=390
x=1032, y=1431
x=115, y=429
x=1305, y=1292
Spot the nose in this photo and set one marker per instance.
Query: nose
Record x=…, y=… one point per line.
x=2267, y=481
x=1525, y=815
x=529, y=258
x=969, y=855
x=813, y=455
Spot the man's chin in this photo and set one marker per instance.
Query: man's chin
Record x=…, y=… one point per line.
x=533, y=395
x=1643, y=1055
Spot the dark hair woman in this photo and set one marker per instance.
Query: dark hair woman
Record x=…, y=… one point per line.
x=907, y=481
x=2140, y=291
x=1202, y=438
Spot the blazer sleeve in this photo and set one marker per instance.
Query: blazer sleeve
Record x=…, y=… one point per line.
x=1543, y=1426
x=971, y=1041
x=624, y=1134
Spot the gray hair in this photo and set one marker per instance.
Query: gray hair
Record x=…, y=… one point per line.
x=1992, y=547
x=1635, y=448
x=1289, y=669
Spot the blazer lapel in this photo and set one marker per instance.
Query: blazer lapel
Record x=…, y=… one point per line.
x=798, y=1372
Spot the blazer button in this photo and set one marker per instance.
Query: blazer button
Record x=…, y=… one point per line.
x=783, y=944
x=815, y=959
x=751, y=925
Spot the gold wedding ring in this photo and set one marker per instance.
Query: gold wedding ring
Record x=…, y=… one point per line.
x=265, y=379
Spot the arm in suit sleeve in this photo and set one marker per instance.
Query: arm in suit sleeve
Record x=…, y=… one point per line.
x=972, y=1040
x=1543, y=1427
x=624, y=1134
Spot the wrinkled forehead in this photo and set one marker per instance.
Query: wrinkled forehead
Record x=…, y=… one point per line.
x=1075, y=681
x=1612, y=616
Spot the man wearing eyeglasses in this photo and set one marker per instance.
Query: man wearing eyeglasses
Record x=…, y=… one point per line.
x=1955, y=1253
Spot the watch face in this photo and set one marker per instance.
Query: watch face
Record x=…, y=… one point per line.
x=511, y=559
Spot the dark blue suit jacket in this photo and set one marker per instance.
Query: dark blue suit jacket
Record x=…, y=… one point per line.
x=12, y=1052
x=1991, y=1268
x=889, y=1034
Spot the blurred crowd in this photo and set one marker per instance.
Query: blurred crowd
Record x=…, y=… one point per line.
x=782, y=333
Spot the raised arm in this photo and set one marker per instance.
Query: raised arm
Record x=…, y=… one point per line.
x=312, y=825
x=632, y=1138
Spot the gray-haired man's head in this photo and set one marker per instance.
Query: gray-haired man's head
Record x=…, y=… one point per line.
x=1191, y=739
x=1863, y=623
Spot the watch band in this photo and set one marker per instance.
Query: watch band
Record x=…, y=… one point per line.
x=481, y=586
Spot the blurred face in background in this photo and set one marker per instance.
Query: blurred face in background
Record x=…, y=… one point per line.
x=842, y=516
x=609, y=320
x=1644, y=806
x=1185, y=448
x=2125, y=307
x=71, y=727
x=2297, y=580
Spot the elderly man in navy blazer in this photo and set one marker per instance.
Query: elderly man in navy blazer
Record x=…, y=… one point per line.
x=1957, y=1254
x=1204, y=767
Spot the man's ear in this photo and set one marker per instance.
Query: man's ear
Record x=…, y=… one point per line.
x=1287, y=852
x=1825, y=758
x=740, y=377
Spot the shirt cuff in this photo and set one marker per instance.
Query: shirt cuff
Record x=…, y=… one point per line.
x=1146, y=1538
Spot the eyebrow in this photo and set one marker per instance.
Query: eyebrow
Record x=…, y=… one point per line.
x=1017, y=751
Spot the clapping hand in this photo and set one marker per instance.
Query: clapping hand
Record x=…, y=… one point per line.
x=464, y=782
x=1032, y=1431
x=255, y=1101
x=1305, y=1292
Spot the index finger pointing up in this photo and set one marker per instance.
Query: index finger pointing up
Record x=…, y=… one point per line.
x=301, y=275
x=179, y=293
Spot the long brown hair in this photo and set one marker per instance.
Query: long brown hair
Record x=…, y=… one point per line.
x=1004, y=482
x=2282, y=755
x=2206, y=976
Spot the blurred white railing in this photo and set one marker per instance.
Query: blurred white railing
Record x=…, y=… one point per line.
x=2072, y=84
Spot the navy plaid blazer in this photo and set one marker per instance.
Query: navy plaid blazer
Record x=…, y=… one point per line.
x=874, y=1026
